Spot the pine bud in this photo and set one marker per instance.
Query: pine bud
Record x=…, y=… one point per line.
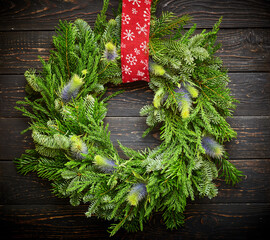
x=158, y=97
x=76, y=82
x=110, y=52
x=212, y=148
x=184, y=101
x=71, y=90
x=78, y=147
x=136, y=194
x=185, y=109
x=156, y=69
x=192, y=91
x=84, y=71
x=112, y=22
x=104, y=164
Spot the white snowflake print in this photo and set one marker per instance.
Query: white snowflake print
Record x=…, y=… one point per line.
x=140, y=74
x=145, y=63
x=125, y=18
x=147, y=2
x=129, y=35
x=137, y=51
x=141, y=29
x=144, y=46
x=134, y=11
x=135, y=1
x=126, y=69
x=123, y=45
x=147, y=14
x=132, y=60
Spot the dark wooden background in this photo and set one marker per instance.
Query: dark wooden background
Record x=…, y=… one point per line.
x=28, y=208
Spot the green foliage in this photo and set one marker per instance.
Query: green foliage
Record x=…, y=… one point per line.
x=178, y=169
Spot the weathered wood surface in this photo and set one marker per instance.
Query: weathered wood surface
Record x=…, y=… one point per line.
x=203, y=221
x=28, y=209
x=242, y=50
x=44, y=15
x=254, y=98
x=33, y=190
x=253, y=138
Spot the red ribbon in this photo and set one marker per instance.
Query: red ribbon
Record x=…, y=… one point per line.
x=134, y=40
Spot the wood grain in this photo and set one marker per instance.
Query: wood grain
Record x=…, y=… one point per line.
x=31, y=190
x=252, y=141
x=203, y=221
x=242, y=50
x=236, y=14
x=28, y=209
x=251, y=89
x=45, y=14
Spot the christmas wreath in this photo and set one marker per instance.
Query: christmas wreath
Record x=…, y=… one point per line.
x=67, y=107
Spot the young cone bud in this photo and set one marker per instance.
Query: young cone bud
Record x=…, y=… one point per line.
x=158, y=98
x=192, y=91
x=104, y=164
x=184, y=102
x=136, y=194
x=110, y=52
x=78, y=147
x=156, y=69
x=71, y=90
x=212, y=148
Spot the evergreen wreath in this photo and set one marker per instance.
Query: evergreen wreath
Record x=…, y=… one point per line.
x=73, y=148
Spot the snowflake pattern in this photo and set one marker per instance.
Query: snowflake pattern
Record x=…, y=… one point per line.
x=137, y=51
x=145, y=63
x=125, y=18
x=147, y=15
x=144, y=46
x=140, y=74
x=135, y=1
x=132, y=60
x=134, y=11
x=126, y=69
x=141, y=29
x=134, y=43
x=129, y=35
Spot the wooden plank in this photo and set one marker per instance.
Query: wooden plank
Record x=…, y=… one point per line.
x=252, y=142
x=251, y=89
x=27, y=189
x=253, y=138
x=253, y=92
x=17, y=189
x=203, y=221
x=243, y=50
x=44, y=15
x=20, y=50
x=236, y=14
x=12, y=142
